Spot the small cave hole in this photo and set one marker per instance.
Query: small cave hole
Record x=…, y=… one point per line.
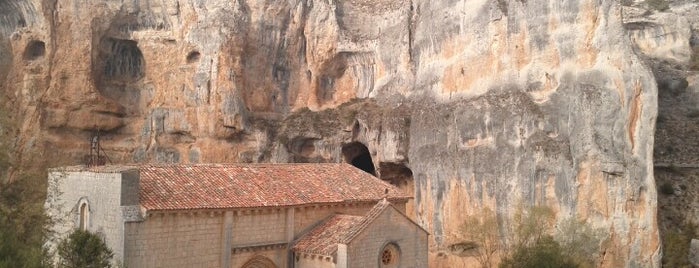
x=123, y=60
x=397, y=174
x=35, y=50
x=358, y=155
x=193, y=57
x=302, y=147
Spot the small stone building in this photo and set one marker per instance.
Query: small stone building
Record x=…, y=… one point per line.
x=239, y=215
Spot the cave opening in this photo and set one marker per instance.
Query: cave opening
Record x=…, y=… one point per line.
x=123, y=60
x=358, y=155
x=396, y=173
x=35, y=50
x=401, y=176
x=193, y=57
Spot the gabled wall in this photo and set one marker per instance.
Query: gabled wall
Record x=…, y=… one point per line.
x=390, y=227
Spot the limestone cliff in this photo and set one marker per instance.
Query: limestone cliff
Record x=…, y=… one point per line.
x=466, y=104
x=667, y=35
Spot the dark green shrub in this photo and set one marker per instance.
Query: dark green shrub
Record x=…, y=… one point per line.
x=23, y=223
x=545, y=253
x=83, y=249
x=666, y=188
x=576, y=243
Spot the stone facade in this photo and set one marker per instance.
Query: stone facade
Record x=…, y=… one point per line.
x=202, y=239
x=231, y=237
x=383, y=237
x=172, y=240
x=104, y=193
x=391, y=227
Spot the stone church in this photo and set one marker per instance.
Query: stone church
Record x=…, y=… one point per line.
x=239, y=215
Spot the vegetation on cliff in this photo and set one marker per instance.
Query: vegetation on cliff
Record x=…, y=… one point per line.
x=23, y=222
x=574, y=244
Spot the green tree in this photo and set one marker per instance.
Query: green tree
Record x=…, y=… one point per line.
x=23, y=223
x=576, y=244
x=544, y=253
x=83, y=249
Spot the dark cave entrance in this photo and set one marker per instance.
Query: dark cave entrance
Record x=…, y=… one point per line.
x=401, y=176
x=35, y=50
x=397, y=174
x=119, y=70
x=358, y=155
x=123, y=60
x=193, y=57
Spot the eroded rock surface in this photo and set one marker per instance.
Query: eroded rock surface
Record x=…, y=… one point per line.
x=466, y=104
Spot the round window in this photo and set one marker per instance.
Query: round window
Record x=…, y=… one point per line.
x=389, y=256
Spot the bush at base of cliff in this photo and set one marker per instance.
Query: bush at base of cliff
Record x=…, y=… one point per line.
x=666, y=188
x=574, y=244
x=84, y=249
x=545, y=253
x=676, y=246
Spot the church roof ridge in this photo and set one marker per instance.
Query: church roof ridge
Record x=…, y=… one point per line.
x=222, y=186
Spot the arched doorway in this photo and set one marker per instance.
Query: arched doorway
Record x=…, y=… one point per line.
x=259, y=262
x=358, y=155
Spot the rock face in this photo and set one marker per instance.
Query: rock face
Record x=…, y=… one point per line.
x=466, y=104
x=694, y=252
x=667, y=35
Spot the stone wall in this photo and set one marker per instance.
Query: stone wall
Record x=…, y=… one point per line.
x=279, y=257
x=174, y=240
x=317, y=262
x=259, y=227
x=390, y=227
x=103, y=194
x=199, y=238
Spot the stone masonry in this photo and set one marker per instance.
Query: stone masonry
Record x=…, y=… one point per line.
x=187, y=236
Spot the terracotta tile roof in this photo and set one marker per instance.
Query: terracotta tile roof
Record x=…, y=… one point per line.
x=339, y=229
x=216, y=186
x=323, y=240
